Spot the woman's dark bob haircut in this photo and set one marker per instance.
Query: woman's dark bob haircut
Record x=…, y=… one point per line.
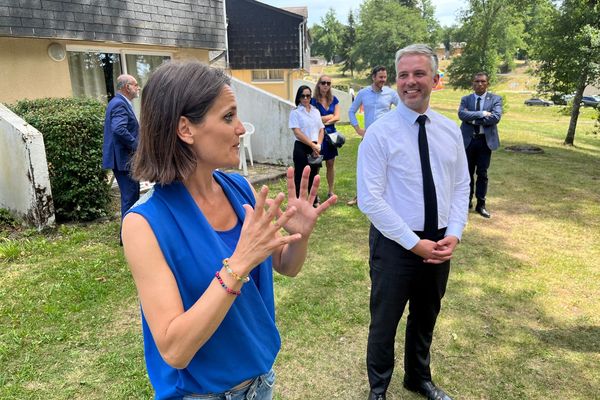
x=175, y=89
x=299, y=92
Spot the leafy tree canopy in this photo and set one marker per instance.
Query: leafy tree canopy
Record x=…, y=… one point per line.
x=385, y=27
x=327, y=37
x=568, y=52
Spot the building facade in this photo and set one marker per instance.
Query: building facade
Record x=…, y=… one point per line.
x=62, y=48
x=268, y=47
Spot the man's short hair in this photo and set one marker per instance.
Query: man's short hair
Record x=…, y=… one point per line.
x=174, y=90
x=481, y=73
x=377, y=69
x=418, y=49
x=122, y=81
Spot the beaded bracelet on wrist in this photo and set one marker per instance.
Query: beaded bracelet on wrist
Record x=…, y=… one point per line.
x=228, y=290
x=235, y=276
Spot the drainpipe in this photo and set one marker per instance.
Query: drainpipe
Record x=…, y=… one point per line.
x=226, y=36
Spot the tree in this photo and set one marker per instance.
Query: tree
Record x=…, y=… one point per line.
x=385, y=27
x=316, y=31
x=434, y=28
x=568, y=51
x=347, y=46
x=493, y=33
x=327, y=36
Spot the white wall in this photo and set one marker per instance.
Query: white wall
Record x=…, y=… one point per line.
x=344, y=97
x=272, y=141
x=24, y=181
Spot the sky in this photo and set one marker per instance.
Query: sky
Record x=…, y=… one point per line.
x=445, y=10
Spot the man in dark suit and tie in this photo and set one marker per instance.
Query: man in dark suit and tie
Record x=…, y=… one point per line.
x=480, y=113
x=121, y=139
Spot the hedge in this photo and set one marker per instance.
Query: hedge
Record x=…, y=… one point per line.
x=73, y=134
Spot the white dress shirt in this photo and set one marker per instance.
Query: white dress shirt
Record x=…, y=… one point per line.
x=309, y=122
x=390, y=182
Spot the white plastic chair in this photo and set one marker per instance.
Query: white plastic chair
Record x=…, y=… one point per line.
x=246, y=144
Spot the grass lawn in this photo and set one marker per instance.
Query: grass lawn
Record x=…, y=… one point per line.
x=520, y=319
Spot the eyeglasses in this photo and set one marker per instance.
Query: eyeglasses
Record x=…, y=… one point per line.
x=305, y=96
x=481, y=82
x=326, y=83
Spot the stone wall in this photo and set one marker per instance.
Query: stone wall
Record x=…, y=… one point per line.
x=24, y=181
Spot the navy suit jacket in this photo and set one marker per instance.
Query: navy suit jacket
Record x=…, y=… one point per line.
x=471, y=119
x=120, y=134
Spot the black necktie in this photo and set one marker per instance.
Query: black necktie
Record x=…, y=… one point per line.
x=431, y=213
x=478, y=108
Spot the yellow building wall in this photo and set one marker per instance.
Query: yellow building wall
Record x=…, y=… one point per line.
x=27, y=72
x=282, y=89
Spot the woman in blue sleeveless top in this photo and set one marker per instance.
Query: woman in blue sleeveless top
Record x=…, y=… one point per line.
x=328, y=105
x=202, y=244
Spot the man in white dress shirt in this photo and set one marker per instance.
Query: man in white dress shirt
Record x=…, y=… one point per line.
x=413, y=185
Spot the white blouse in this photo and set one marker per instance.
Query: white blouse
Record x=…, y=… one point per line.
x=309, y=122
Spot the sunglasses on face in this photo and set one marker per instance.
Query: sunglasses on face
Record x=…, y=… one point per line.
x=305, y=96
x=326, y=83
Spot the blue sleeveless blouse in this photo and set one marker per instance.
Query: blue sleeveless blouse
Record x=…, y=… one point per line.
x=326, y=111
x=246, y=343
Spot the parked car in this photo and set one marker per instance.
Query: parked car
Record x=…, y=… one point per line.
x=591, y=101
x=562, y=99
x=538, y=102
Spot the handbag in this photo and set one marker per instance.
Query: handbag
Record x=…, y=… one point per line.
x=315, y=160
x=336, y=139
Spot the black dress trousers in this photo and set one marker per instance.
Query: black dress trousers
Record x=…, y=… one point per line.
x=399, y=276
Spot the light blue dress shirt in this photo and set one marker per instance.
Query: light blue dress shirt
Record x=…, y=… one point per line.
x=375, y=104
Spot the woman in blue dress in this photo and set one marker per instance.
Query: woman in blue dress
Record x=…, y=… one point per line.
x=202, y=244
x=329, y=108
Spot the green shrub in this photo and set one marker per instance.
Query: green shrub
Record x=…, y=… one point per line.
x=73, y=136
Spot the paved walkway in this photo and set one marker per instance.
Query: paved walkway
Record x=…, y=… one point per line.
x=257, y=175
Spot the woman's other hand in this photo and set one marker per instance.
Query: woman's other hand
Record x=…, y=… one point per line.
x=260, y=232
x=305, y=217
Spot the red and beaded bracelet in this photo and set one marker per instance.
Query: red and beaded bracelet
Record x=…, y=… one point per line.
x=228, y=290
x=235, y=276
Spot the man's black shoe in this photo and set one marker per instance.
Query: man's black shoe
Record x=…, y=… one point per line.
x=429, y=390
x=373, y=396
x=483, y=212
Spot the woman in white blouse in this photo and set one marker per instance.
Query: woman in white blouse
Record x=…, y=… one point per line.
x=305, y=122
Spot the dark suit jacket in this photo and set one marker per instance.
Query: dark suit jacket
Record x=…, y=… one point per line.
x=470, y=118
x=120, y=134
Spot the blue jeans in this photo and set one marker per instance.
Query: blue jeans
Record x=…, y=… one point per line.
x=260, y=388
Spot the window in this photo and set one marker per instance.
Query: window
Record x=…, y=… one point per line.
x=94, y=72
x=265, y=75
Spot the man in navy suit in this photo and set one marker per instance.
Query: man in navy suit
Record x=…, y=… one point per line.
x=121, y=138
x=480, y=113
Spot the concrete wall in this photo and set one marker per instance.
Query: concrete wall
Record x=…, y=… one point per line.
x=29, y=73
x=272, y=141
x=24, y=181
x=344, y=97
